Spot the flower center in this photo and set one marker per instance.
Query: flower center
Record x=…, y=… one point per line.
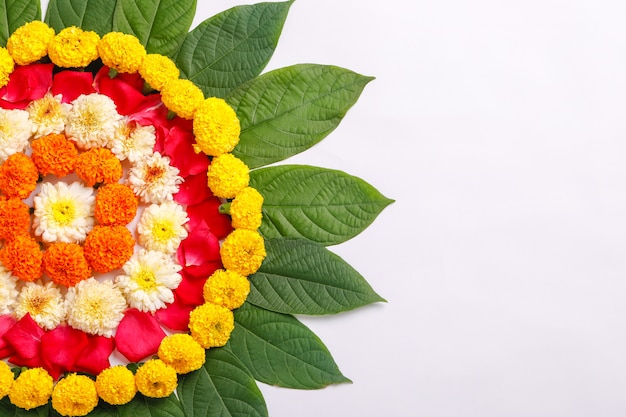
x=64, y=212
x=146, y=280
x=37, y=304
x=154, y=173
x=163, y=231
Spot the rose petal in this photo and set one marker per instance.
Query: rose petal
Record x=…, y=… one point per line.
x=208, y=212
x=200, y=246
x=26, y=83
x=25, y=337
x=95, y=357
x=6, y=322
x=71, y=84
x=176, y=315
x=194, y=190
x=179, y=147
x=125, y=95
x=190, y=289
x=138, y=335
x=60, y=348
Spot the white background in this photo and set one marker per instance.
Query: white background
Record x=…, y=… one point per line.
x=499, y=128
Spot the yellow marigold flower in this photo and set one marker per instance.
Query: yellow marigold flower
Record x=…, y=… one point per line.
x=74, y=396
x=156, y=379
x=29, y=43
x=216, y=127
x=182, y=353
x=122, y=52
x=98, y=165
x=116, y=204
x=54, y=154
x=210, y=325
x=108, y=247
x=18, y=176
x=31, y=389
x=14, y=218
x=227, y=175
x=245, y=209
x=6, y=379
x=65, y=263
x=6, y=66
x=157, y=70
x=226, y=288
x=243, y=251
x=23, y=258
x=116, y=385
x=182, y=97
x=73, y=48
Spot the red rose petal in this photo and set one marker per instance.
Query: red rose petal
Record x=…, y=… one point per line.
x=60, y=348
x=179, y=147
x=208, y=212
x=200, y=246
x=6, y=322
x=125, y=96
x=138, y=335
x=26, y=83
x=176, y=315
x=190, y=290
x=95, y=357
x=25, y=337
x=194, y=190
x=71, y=84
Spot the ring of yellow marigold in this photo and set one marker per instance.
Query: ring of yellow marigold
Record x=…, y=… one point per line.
x=29, y=42
x=6, y=379
x=157, y=70
x=73, y=48
x=182, y=97
x=243, y=251
x=210, y=325
x=6, y=66
x=226, y=288
x=245, y=209
x=31, y=389
x=227, y=175
x=74, y=396
x=116, y=385
x=182, y=353
x=156, y=379
x=216, y=127
x=122, y=52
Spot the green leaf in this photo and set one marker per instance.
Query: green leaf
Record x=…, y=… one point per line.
x=222, y=387
x=7, y=409
x=160, y=25
x=288, y=110
x=14, y=13
x=323, y=205
x=95, y=15
x=279, y=350
x=232, y=47
x=303, y=277
x=141, y=406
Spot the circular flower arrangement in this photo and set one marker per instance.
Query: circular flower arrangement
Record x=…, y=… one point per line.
x=133, y=230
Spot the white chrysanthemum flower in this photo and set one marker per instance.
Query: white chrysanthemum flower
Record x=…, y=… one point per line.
x=149, y=279
x=92, y=121
x=95, y=307
x=8, y=291
x=48, y=115
x=15, y=132
x=44, y=303
x=64, y=213
x=133, y=141
x=153, y=179
x=161, y=227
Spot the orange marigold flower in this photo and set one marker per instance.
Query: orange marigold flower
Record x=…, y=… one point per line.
x=54, y=154
x=108, y=247
x=116, y=204
x=18, y=176
x=14, y=218
x=65, y=263
x=23, y=258
x=98, y=165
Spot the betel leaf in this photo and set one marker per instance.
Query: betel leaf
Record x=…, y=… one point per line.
x=303, y=277
x=232, y=47
x=288, y=110
x=7, y=409
x=160, y=25
x=222, y=387
x=141, y=406
x=94, y=15
x=323, y=205
x=14, y=13
x=279, y=350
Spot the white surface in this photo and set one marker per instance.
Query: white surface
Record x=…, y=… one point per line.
x=498, y=126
